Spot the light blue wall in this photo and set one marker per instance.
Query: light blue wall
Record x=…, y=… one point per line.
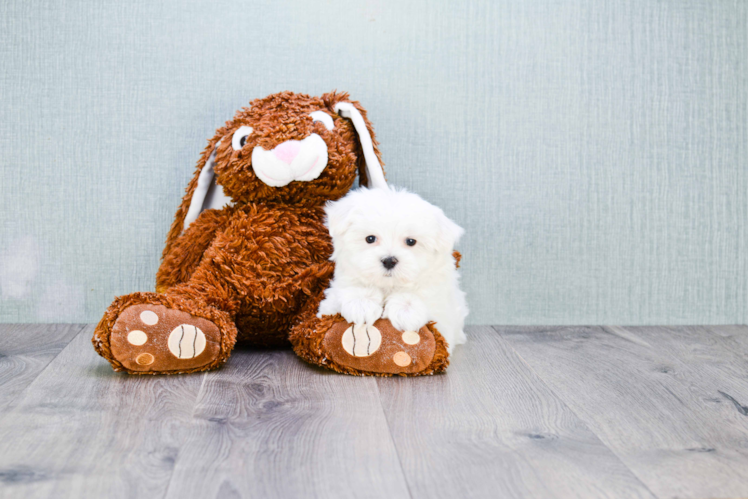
x=594, y=151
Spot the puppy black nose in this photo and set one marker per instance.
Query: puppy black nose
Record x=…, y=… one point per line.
x=389, y=262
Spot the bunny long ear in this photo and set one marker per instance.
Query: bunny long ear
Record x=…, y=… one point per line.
x=202, y=193
x=207, y=194
x=374, y=171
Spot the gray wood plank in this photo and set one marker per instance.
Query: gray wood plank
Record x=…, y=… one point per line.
x=713, y=363
x=269, y=425
x=649, y=407
x=491, y=428
x=711, y=360
x=82, y=430
x=25, y=350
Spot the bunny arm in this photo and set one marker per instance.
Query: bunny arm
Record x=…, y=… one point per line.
x=265, y=260
x=187, y=250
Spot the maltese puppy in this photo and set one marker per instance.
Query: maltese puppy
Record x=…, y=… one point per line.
x=393, y=259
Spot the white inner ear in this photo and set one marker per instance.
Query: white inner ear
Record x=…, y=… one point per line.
x=373, y=168
x=321, y=116
x=207, y=194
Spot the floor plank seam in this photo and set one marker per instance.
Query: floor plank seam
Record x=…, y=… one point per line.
x=9, y=409
x=607, y=445
x=392, y=438
x=194, y=423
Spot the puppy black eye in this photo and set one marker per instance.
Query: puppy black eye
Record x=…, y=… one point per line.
x=371, y=239
x=410, y=242
x=243, y=141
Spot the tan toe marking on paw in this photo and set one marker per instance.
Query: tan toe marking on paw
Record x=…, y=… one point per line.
x=145, y=359
x=411, y=337
x=186, y=341
x=150, y=318
x=401, y=359
x=361, y=340
x=137, y=337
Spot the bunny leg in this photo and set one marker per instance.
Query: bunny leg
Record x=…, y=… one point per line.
x=378, y=349
x=191, y=327
x=150, y=333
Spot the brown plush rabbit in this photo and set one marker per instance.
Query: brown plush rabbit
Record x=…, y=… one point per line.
x=247, y=257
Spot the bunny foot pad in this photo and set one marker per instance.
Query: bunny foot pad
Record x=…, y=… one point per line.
x=154, y=338
x=380, y=348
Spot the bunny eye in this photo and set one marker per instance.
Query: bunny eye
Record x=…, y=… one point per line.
x=240, y=137
x=321, y=116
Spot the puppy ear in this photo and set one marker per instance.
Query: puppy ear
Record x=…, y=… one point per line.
x=371, y=173
x=449, y=233
x=339, y=214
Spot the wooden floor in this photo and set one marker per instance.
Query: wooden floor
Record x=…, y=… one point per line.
x=522, y=412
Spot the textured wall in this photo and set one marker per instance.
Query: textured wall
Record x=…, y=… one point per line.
x=594, y=151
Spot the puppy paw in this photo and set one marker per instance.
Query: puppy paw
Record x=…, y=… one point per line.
x=406, y=312
x=361, y=311
x=328, y=307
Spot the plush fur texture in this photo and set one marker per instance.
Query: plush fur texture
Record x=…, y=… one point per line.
x=394, y=259
x=102, y=332
x=258, y=267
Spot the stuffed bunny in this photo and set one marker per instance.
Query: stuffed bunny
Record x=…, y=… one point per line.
x=247, y=257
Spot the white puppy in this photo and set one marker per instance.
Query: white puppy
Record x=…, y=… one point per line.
x=393, y=259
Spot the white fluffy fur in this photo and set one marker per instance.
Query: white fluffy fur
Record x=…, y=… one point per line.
x=422, y=287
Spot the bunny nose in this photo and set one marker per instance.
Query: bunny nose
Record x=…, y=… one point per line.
x=389, y=263
x=287, y=151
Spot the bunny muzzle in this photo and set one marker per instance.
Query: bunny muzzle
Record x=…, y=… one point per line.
x=290, y=161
